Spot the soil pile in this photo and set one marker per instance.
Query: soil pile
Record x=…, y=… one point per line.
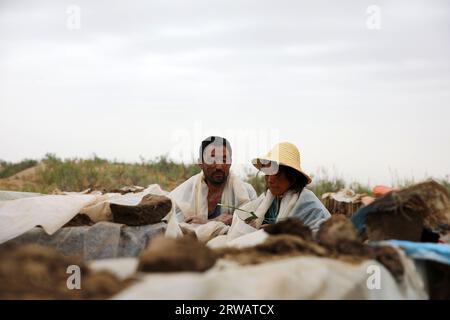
x=37, y=272
x=403, y=214
x=175, y=255
x=79, y=220
x=150, y=210
x=336, y=239
x=290, y=226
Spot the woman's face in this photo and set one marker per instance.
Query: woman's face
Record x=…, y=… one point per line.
x=278, y=183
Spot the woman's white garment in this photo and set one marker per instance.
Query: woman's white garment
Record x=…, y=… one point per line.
x=190, y=199
x=306, y=207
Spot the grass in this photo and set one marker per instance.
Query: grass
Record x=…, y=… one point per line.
x=75, y=174
x=79, y=174
x=8, y=169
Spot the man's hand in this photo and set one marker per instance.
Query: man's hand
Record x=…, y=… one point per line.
x=196, y=220
x=225, y=218
x=252, y=223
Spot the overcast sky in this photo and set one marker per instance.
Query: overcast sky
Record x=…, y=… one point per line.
x=362, y=90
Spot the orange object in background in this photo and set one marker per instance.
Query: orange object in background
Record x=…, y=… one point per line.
x=379, y=191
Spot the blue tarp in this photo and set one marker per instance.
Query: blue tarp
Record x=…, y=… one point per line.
x=421, y=250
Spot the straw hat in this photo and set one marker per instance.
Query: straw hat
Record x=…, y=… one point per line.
x=283, y=153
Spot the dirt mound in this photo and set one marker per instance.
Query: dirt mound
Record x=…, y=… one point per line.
x=150, y=210
x=337, y=239
x=387, y=225
x=390, y=258
x=403, y=214
x=174, y=255
x=274, y=248
x=290, y=226
x=37, y=272
x=79, y=220
x=336, y=230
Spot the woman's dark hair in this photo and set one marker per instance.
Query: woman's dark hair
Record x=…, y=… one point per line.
x=298, y=180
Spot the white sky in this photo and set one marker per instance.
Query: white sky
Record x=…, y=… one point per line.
x=146, y=78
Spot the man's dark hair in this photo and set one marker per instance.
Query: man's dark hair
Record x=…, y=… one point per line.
x=218, y=142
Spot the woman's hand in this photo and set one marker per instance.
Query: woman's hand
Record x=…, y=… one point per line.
x=196, y=220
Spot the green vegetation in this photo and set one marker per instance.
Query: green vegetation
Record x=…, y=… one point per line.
x=79, y=174
x=8, y=169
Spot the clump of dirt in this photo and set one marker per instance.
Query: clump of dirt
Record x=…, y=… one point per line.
x=290, y=226
x=126, y=189
x=390, y=225
x=403, y=214
x=288, y=244
x=80, y=219
x=150, y=210
x=337, y=239
x=175, y=255
x=38, y=272
x=339, y=235
x=390, y=258
x=336, y=230
x=274, y=248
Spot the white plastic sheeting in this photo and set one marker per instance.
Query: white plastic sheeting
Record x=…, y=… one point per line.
x=303, y=277
x=51, y=212
x=54, y=211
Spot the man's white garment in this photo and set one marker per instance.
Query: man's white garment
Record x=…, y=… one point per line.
x=190, y=199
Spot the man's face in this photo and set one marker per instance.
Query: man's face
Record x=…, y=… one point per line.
x=216, y=164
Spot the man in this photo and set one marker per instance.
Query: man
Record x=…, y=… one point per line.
x=197, y=199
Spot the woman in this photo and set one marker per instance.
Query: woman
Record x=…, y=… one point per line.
x=286, y=195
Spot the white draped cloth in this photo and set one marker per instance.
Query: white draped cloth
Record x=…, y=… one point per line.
x=304, y=206
x=190, y=199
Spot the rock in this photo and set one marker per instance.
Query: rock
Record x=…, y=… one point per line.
x=150, y=210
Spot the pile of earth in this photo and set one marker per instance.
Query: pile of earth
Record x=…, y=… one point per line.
x=38, y=272
x=417, y=213
x=336, y=239
x=150, y=210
